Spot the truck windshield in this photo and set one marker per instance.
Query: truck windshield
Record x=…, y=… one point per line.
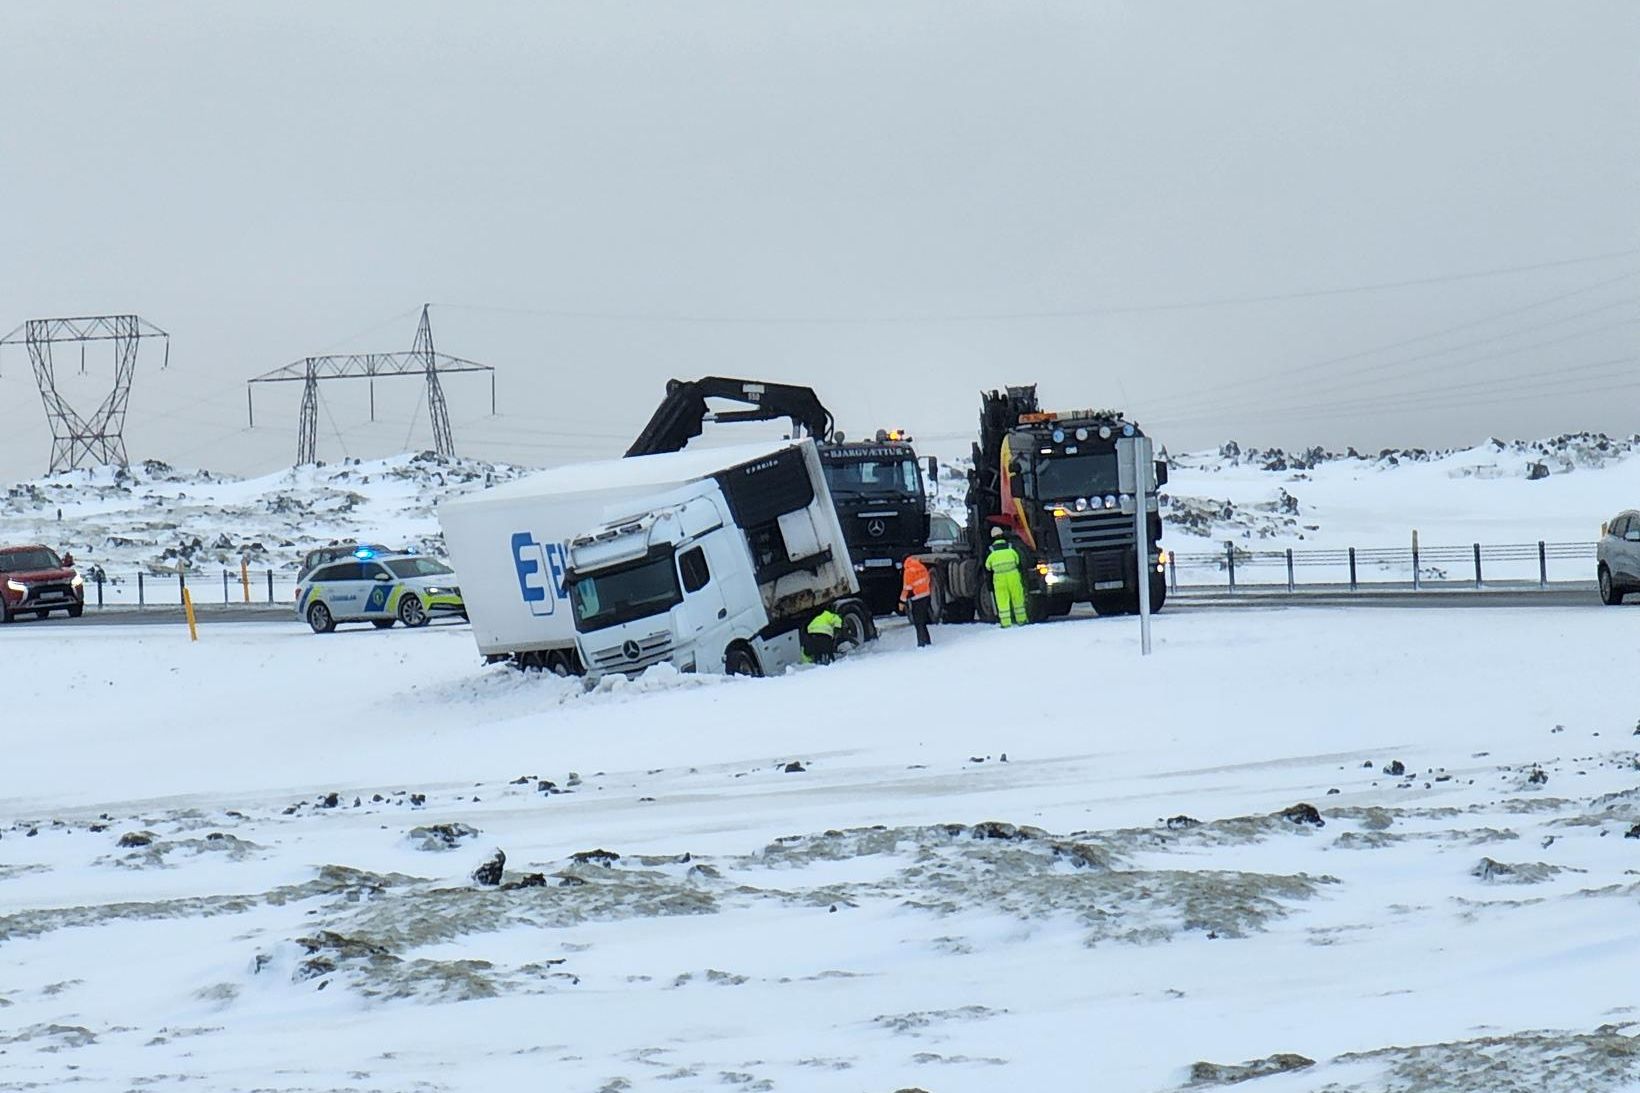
x=612, y=596
x=24, y=561
x=1061, y=477
x=872, y=477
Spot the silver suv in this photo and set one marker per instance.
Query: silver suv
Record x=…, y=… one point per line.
x=1618, y=557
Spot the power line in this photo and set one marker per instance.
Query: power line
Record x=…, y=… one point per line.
x=1201, y=394
x=1068, y=313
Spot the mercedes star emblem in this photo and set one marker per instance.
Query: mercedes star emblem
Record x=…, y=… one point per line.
x=876, y=528
x=629, y=649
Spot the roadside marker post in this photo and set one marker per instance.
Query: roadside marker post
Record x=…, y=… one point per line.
x=245, y=575
x=188, y=609
x=1136, y=475
x=1415, y=580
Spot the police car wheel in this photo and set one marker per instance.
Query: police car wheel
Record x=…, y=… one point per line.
x=320, y=619
x=383, y=624
x=411, y=612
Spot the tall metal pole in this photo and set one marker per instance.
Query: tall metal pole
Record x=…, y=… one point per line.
x=1141, y=533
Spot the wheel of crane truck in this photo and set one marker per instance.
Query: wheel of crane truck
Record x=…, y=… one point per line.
x=1110, y=603
x=741, y=661
x=320, y=618
x=956, y=611
x=411, y=612
x=985, y=604
x=1057, y=607
x=1158, y=591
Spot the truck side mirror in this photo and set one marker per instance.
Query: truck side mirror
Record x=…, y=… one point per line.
x=1014, y=467
x=1161, y=472
x=933, y=470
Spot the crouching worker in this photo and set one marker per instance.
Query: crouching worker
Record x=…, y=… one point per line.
x=820, y=636
x=916, y=598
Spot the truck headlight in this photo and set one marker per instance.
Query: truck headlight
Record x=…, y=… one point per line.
x=1081, y=504
x=77, y=581
x=18, y=587
x=1110, y=501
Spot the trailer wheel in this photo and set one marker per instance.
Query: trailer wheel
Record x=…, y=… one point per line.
x=738, y=660
x=986, y=602
x=1057, y=607
x=558, y=663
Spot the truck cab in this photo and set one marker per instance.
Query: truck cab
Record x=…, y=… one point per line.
x=877, y=487
x=718, y=574
x=661, y=588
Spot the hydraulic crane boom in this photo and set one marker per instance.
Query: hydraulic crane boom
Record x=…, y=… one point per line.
x=681, y=414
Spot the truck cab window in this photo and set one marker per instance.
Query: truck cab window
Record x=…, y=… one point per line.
x=692, y=564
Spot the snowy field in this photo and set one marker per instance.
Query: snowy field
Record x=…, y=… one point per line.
x=1024, y=860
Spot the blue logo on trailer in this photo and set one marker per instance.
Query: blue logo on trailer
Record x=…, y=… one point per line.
x=540, y=569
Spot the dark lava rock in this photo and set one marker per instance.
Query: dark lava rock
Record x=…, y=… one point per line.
x=330, y=800
x=418, y=799
x=1535, y=471
x=1633, y=832
x=1303, y=814
x=1230, y=1073
x=1333, y=791
x=600, y=857
x=1367, y=765
x=441, y=836
x=569, y=880
x=528, y=880
x=490, y=872
x=521, y=780
x=794, y=767
x=1181, y=822
x=1537, y=777
x=132, y=839
x=545, y=786
x=1396, y=769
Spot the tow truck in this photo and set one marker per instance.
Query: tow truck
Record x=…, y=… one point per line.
x=1051, y=480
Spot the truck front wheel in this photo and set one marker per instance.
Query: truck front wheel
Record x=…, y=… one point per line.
x=741, y=661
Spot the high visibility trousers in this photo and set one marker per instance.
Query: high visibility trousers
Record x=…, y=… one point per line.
x=1010, y=592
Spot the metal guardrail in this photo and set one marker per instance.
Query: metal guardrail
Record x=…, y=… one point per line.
x=1433, y=566
x=145, y=588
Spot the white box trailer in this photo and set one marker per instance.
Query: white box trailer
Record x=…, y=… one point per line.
x=509, y=543
x=718, y=574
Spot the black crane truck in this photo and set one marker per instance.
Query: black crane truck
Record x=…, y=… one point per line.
x=1051, y=481
x=876, y=485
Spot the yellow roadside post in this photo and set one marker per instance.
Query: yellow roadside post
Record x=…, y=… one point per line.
x=188, y=609
x=245, y=575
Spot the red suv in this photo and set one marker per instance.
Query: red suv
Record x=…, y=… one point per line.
x=33, y=578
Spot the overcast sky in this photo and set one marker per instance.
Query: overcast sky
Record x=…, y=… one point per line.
x=1285, y=223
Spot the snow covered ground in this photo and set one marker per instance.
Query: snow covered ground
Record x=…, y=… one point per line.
x=1021, y=860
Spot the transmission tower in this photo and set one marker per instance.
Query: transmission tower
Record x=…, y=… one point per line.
x=98, y=440
x=422, y=360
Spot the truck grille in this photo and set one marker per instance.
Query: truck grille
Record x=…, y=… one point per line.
x=651, y=650
x=1082, y=531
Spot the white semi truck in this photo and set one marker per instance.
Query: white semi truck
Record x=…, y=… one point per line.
x=511, y=545
x=719, y=574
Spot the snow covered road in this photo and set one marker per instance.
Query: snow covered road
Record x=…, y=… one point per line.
x=831, y=880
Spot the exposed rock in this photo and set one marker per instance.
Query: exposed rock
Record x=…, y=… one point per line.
x=1302, y=813
x=489, y=874
x=441, y=836
x=1396, y=769
x=598, y=857
x=1182, y=822
x=132, y=839
x=1230, y=1073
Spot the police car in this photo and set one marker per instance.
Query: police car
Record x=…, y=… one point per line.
x=378, y=588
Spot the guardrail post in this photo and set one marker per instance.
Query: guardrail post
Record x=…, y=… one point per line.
x=1415, y=578
x=1230, y=561
x=139, y=588
x=1477, y=565
x=1352, y=569
x=1543, y=566
x=1289, y=569
x=1173, y=572
x=99, y=576
x=225, y=600
x=270, y=586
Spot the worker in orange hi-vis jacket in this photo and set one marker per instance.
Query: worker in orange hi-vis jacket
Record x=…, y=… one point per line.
x=917, y=598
